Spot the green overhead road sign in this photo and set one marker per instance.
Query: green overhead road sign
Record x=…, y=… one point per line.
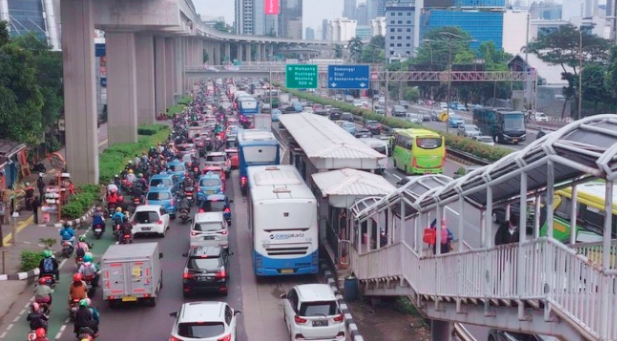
x=301, y=76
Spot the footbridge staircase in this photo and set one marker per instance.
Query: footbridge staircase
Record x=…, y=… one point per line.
x=539, y=285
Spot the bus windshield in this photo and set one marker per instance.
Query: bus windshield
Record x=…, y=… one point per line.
x=428, y=142
x=513, y=122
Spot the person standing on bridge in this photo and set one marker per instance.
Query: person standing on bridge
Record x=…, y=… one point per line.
x=507, y=233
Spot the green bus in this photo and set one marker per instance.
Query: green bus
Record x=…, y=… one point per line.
x=418, y=151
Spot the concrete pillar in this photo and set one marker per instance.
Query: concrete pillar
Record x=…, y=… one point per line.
x=146, y=98
x=239, y=51
x=180, y=62
x=258, y=54
x=271, y=52
x=227, y=51
x=247, y=53
x=263, y=52
x=122, y=87
x=198, y=50
x=82, y=149
x=441, y=330
x=160, y=69
x=169, y=70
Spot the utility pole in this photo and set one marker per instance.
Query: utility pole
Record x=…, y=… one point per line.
x=527, y=63
x=580, y=72
x=448, y=99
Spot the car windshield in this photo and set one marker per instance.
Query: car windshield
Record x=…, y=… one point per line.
x=156, y=182
x=514, y=122
x=455, y=117
x=348, y=125
x=210, y=182
x=318, y=309
x=208, y=226
x=177, y=168
x=428, y=142
x=215, y=158
x=156, y=196
x=213, y=206
x=146, y=217
x=201, y=330
x=471, y=127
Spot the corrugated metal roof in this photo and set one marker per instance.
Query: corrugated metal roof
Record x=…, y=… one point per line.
x=354, y=182
x=321, y=138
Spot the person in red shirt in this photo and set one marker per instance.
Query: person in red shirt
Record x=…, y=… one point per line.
x=41, y=335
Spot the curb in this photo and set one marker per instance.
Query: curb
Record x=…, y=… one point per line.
x=20, y=276
x=350, y=325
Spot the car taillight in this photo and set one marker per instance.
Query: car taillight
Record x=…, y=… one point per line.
x=299, y=320
x=186, y=274
x=339, y=318
x=243, y=180
x=172, y=201
x=225, y=338
x=221, y=274
x=201, y=210
x=193, y=233
x=160, y=222
x=198, y=189
x=174, y=339
x=224, y=232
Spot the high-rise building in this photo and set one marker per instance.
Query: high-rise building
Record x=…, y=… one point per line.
x=272, y=26
x=325, y=28
x=290, y=19
x=349, y=9
x=378, y=26
x=362, y=15
x=244, y=17
x=259, y=17
x=400, y=28
x=36, y=16
x=309, y=34
x=375, y=8
x=343, y=29
x=363, y=32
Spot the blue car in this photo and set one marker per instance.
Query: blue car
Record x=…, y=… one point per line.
x=217, y=203
x=275, y=115
x=349, y=127
x=162, y=196
x=455, y=120
x=164, y=179
x=209, y=183
x=177, y=168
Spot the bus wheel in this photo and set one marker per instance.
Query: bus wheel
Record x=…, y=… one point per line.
x=495, y=139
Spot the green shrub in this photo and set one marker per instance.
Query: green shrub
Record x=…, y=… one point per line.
x=30, y=260
x=151, y=129
x=176, y=109
x=185, y=100
x=453, y=141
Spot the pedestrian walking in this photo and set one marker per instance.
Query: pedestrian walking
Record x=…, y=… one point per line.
x=36, y=203
x=40, y=184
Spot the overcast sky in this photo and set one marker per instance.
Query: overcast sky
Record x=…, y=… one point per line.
x=314, y=11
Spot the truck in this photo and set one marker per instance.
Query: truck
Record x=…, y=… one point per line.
x=132, y=273
x=262, y=122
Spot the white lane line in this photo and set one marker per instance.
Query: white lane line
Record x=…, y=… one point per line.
x=9, y=327
x=396, y=176
x=59, y=334
x=3, y=335
x=17, y=317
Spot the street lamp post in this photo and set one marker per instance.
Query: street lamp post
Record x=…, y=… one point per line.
x=580, y=73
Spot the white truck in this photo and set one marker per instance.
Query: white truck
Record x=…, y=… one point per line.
x=283, y=99
x=262, y=122
x=132, y=273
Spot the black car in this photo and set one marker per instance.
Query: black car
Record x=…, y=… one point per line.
x=206, y=271
x=373, y=126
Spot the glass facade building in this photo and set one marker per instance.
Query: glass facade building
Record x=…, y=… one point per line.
x=290, y=19
x=27, y=16
x=481, y=26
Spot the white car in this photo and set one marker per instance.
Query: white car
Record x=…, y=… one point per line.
x=218, y=159
x=205, y=321
x=311, y=312
x=209, y=229
x=308, y=110
x=487, y=140
x=150, y=219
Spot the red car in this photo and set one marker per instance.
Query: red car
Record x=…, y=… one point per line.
x=232, y=154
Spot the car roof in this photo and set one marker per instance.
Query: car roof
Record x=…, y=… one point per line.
x=142, y=208
x=202, y=311
x=216, y=197
x=209, y=216
x=210, y=175
x=315, y=292
x=215, y=154
x=175, y=162
x=162, y=175
x=159, y=189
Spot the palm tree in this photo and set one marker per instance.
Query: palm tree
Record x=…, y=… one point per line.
x=338, y=51
x=355, y=48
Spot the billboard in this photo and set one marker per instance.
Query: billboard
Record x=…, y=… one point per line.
x=271, y=7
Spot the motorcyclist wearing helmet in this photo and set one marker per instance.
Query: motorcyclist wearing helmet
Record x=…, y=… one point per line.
x=36, y=319
x=89, y=271
x=82, y=247
x=41, y=335
x=42, y=292
x=142, y=180
x=187, y=182
x=49, y=265
x=183, y=204
x=117, y=181
x=78, y=290
x=67, y=233
x=98, y=218
x=96, y=315
x=130, y=176
x=84, y=319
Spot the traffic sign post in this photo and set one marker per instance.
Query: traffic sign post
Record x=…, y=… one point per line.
x=349, y=77
x=301, y=76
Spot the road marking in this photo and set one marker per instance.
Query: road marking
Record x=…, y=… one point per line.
x=20, y=227
x=3, y=335
x=9, y=327
x=59, y=334
x=396, y=176
x=17, y=317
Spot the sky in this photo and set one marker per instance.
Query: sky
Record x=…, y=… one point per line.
x=314, y=11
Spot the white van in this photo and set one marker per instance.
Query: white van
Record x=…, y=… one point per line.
x=209, y=229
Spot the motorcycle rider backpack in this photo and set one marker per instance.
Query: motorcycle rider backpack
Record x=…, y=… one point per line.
x=80, y=252
x=48, y=265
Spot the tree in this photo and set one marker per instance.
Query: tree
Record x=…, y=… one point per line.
x=372, y=54
x=355, y=48
x=378, y=40
x=223, y=27
x=594, y=87
x=444, y=45
x=411, y=94
x=21, y=100
x=561, y=47
x=610, y=80
x=338, y=51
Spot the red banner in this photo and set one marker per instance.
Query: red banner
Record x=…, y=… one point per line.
x=272, y=7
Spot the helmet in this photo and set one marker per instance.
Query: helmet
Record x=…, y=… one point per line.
x=130, y=171
x=77, y=277
x=88, y=257
x=67, y=224
x=82, y=238
x=139, y=175
x=130, y=162
x=40, y=332
x=83, y=303
x=27, y=184
x=42, y=281
x=47, y=253
x=35, y=306
x=89, y=301
x=119, y=209
x=40, y=175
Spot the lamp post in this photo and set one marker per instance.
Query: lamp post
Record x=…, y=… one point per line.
x=580, y=72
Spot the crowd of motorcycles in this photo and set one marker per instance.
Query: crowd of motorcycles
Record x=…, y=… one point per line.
x=132, y=183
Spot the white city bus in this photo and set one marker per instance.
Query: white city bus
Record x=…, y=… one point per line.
x=283, y=222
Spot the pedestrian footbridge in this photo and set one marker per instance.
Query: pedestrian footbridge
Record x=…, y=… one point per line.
x=544, y=285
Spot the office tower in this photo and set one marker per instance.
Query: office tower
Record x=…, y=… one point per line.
x=325, y=27
x=259, y=17
x=400, y=28
x=378, y=27
x=244, y=17
x=375, y=8
x=349, y=9
x=310, y=34
x=362, y=15
x=290, y=19
x=37, y=16
x=343, y=29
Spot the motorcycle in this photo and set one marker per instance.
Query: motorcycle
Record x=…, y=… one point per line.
x=125, y=238
x=90, y=285
x=43, y=306
x=86, y=333
x=50, y=280
x=73, y=308
x=67, y=249
x=189, y=194
x=79, y=260
x=98, y=230
x=137, y=200
x=185, y=216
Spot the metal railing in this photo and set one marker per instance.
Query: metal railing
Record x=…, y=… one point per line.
x=593, y=252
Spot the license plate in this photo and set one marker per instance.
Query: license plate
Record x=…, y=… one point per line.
x=208, y=238
x=129, y=299
x=97, y=230
x=515, y=140
x=320, y=323
x=210, y=192
x=146, y=228
x=287, y=271
x=204, y=279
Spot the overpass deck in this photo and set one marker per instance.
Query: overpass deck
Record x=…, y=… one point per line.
x=537, y=286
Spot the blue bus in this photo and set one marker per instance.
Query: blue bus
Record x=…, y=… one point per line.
x=282, y=221
x=248, y=106
x=256, y=148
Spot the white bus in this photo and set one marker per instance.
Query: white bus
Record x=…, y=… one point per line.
x=283, y=222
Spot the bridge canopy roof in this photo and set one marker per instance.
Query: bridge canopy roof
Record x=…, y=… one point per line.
x=344, y=186
x=327, y=145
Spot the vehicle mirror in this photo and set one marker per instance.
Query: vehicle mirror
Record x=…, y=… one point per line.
x=160, y=255
x=231, y=201
x=237, y=312
x=174, y=314
x=230, y=253
x=283, y=296
x=185, y=254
